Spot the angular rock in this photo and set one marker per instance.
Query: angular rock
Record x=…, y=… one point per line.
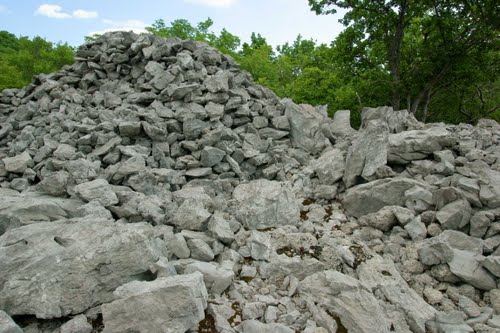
x=305, y=123
x=7, y=325
x=467, y=266
x=98, y=190
x=217, y=278
x=211, y=156
x=382, y=275
x=412, y=145
x=371, y=197
x=200, y=250
x=87, y=258
x=367, y=154
x=255, y=326
x=330, y=166
x=78, y=324
x=264, y=204
x=192, y=215
x=454, y=215
x=348, y=300
x=141, y=306
x=18, y=163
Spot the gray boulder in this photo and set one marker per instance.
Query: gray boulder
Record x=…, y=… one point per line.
x=217, y=278
x=263, y=204
x=397, y=121
x=371, y=197
x=18, y=163
x=454, y=215
x=87, y=258
x=346, y=299
x=330, y=166
x=438, y=250
x=18, y=209
x=78, y=324
x=382, y=276
x=7, y=325
x=367, y=154
x=98, y=190
x=412, y=145
x=142, y=306
x=255, y=326
x=305, y=128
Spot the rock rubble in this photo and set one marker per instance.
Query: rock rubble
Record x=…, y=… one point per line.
x=153, y=187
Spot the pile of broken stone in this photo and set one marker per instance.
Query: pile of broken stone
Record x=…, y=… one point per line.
x=153, y=187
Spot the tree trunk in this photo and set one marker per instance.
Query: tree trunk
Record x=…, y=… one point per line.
x=394, y=57
x=426, y=106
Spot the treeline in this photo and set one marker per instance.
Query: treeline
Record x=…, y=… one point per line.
x=438, y=59
x=21, y=58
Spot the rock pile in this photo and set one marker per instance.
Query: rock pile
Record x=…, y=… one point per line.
x=153, y=187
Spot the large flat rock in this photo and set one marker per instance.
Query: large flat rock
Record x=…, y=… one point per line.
x=371, y=197
x=172, y=304
x=54, y=269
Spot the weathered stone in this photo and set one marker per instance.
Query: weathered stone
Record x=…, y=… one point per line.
x=211, y=156
x=492, y=264
x=412, y=145
x=383, y=220
x=467, y=266
x=263, y=204
x=305, y=126
x=99, y=190
x=439, y=249
x=255, y=326
x=18, y=163
x=454, y=215
x=192, y=215
x=200, y=250
x=348, y=300
x=141, y=306
x=87, y=258
x=7, y=325
x=330, y=166
x=217, y=278
x=367, y=154
x=78, y=324
x=382, y=275
x=371, y=197
x=416, y=229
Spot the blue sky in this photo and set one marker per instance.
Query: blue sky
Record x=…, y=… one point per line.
x=279, y=21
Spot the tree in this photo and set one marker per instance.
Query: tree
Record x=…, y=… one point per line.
x=425, y=42
x=181, y=28
x=21, y=58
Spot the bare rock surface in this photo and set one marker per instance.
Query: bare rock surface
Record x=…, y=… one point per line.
x=152, y=186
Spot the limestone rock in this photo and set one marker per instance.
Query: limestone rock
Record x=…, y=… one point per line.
x=367, y=154
x=99, y=190
x=330, y=166
x=371, y=197
x=141, y=306
x=305, y=124
x=263, y=204
x=347, y=299
x=87, y=258
x=7, y=325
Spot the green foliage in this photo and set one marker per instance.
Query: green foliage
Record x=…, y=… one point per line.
x=21, y=58
x=417, y=54
x=181, y=28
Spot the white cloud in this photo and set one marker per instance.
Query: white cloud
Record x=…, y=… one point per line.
x=214, y=3
x=136, y=26
x=55, y=11
x=84, y=14
x=52, y=11
x=3, y=9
